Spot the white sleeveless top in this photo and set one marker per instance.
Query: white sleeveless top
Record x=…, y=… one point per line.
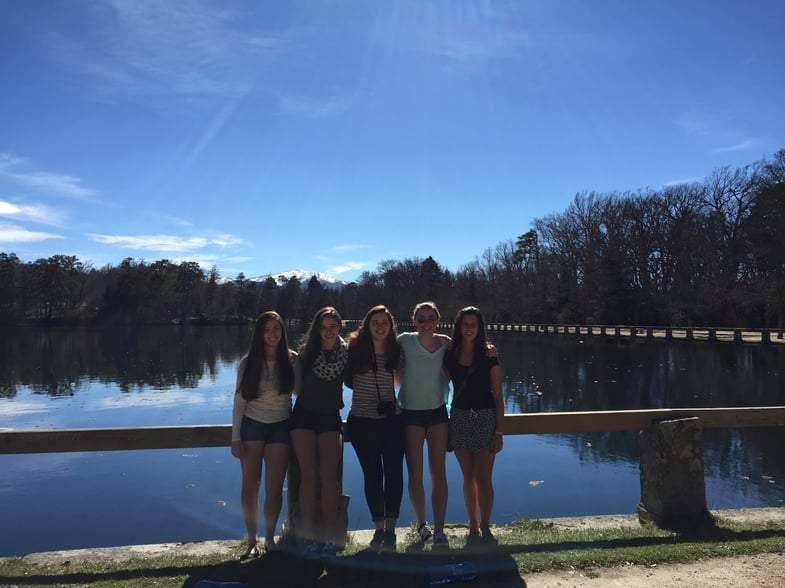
x=268, y=407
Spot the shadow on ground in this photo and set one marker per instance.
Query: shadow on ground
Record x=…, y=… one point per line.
x=709, y=533
x=493, y=566
x=367, y=568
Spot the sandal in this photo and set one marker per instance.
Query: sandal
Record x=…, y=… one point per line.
x=270, y=546
x=250, y=553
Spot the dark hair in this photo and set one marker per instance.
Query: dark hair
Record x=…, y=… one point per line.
x=361, y=344
x=255, y=364
x=311, y=342
x=480, y=341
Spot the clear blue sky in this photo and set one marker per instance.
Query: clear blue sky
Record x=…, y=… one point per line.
x=267, y=136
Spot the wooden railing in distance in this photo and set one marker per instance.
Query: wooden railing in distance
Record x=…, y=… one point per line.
x=132, y=438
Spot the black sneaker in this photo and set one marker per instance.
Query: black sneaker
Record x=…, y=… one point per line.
x=388, y=544
x=488, y=539
x=473, y=540
x=440, y=541
x=378, y=539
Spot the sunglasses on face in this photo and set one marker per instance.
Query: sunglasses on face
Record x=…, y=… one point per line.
x=426, y=319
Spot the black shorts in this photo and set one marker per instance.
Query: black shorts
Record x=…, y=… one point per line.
x=252, y=430
x=318, y=422
x=425, y=418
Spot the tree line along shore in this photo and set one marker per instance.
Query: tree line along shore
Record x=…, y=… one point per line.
x=693, y=254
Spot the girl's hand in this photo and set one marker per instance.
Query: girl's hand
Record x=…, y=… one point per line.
x=237, y=449
x=497, y=443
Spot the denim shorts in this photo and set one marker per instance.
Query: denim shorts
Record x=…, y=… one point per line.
x=317, y=422
x=425, y=418
x=251, y=430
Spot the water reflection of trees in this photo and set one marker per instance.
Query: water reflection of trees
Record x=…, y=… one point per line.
x=541, y=374
x=551, y=374
x=57, y=362
x=554, y=374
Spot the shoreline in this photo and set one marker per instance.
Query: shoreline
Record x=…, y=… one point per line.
x=231, y=547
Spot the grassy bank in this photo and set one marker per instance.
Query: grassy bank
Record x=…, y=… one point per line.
x=525, y=547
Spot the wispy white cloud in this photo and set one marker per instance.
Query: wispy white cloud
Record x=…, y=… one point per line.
x=158, y=216
x=152, y=242
x=346, y=267
x=31, y=212
x=346, y=248
x=181, y=48
x=462, y=38
x=314, y=108
x=194, y=50
x=714, y=128
x=334, y=268
x=681, y=181
x=226, y=240
x=59, y=184
x=697, y=122
x=745, y=145
x=165, y=243
x=10, y=233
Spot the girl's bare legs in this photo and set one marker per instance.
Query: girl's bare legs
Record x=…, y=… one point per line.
x=304, y=445
x=415, y=437
x=329, y=454
x=276, y=460
x=437, y=450
x=467, y=462
x=251, y=466
x=483, y=473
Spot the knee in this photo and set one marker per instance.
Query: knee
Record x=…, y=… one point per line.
x=439, y=477
x=251, y=488
x=307, y=487
x=276, y=494
x=485, y=483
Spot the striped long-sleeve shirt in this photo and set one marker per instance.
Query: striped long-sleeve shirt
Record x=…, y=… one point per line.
x=365, y=398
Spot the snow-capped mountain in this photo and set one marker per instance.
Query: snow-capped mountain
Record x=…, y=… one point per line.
x=304, y=276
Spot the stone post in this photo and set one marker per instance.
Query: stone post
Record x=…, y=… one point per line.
x=673, y=490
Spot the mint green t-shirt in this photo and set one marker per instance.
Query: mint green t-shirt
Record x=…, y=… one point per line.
x=424, y=385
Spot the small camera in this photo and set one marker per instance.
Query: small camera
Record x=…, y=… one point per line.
x=386, y=408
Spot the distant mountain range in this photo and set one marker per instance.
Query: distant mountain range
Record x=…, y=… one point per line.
x=304, y=276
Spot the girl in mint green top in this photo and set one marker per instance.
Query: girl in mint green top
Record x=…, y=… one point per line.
x=423, y=398
x=424, y=384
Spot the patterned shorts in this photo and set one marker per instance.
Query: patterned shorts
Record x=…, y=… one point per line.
x=472, y=429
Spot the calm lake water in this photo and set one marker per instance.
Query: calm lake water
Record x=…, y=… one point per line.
x=59, y=379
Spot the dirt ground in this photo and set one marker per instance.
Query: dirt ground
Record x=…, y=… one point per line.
x=761, y=571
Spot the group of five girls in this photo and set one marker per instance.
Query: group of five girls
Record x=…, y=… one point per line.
x=381, y=428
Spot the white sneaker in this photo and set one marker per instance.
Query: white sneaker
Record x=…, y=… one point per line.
x=424, y=532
